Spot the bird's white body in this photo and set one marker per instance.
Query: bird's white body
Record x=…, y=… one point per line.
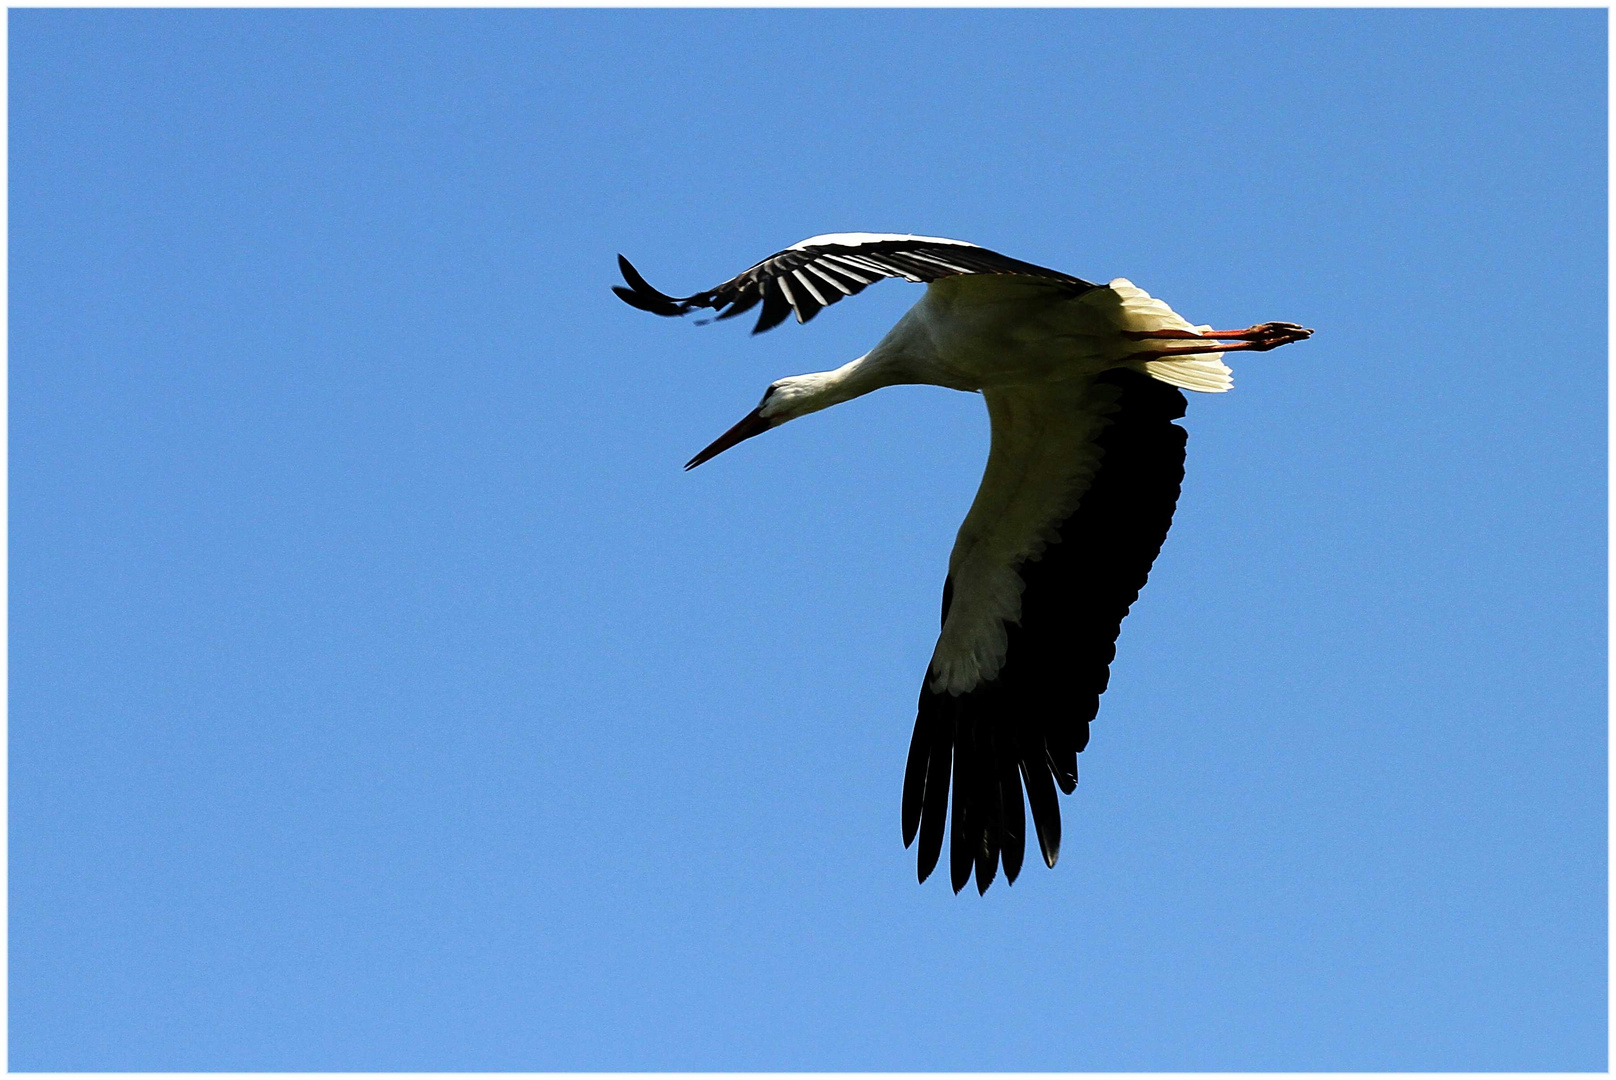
x=1077, y=496
x=983, y=332
x=1033, y=351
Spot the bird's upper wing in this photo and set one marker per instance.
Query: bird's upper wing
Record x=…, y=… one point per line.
x=1079, y=491
x=822, y=269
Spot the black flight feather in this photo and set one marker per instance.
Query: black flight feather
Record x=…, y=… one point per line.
x=743, y=303
x=1014, y=840
x=776, y=309
x=934, y=808
x=960, y=855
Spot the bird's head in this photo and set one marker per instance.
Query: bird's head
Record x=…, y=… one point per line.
x=785, y=399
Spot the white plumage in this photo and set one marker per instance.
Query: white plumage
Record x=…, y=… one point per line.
x=1077, y=496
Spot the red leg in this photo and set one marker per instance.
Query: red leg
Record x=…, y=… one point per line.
x=1238, y=346
x=1259, y=338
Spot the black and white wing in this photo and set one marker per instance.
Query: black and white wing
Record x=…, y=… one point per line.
x=822, y=269
x=1077, y=497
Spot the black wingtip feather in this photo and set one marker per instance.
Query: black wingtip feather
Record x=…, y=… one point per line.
x=914, y=779
x=741, y=306
x=961, y=855
x=934, y=798
x=634, y=299
x=640, y=294
x=1014, y=841
x=776, y=308
x=988, y=828
x=1045, y=807
x=1063, y=764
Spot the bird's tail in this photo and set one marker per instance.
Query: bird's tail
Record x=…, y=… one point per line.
x=1205, y=372
x=1198, y=371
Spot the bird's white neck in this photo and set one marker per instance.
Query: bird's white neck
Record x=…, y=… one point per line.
x=800, y=395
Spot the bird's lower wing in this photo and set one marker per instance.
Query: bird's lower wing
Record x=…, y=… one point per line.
x=1077, y=497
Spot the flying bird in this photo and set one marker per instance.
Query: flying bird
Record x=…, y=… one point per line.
x=1082, y=383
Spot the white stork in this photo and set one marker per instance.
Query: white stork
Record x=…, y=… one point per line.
x=1083, y=474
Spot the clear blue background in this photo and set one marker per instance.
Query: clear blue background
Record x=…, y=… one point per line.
x=385, y=697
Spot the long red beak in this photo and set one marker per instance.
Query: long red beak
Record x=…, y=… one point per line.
x=750, y=425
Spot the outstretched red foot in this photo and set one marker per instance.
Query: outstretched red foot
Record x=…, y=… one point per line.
x=1268, y=335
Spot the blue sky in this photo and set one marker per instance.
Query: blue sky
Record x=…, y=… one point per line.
x=385, y=697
